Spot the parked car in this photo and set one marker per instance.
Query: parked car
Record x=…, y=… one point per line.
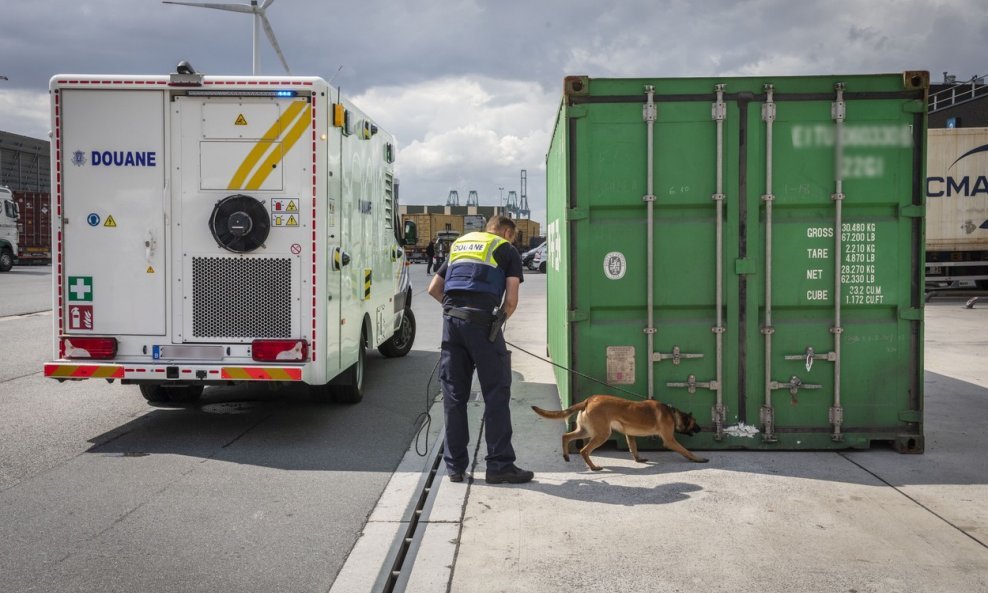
x=535, y=259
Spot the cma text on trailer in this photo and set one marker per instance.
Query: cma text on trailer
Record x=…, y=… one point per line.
x=216, y=230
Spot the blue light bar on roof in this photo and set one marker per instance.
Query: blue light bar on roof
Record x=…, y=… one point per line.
x=242, y=93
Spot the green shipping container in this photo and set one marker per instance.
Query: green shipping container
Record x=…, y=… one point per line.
x=747, y=249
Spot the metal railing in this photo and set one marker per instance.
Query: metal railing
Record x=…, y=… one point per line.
x=958, y=93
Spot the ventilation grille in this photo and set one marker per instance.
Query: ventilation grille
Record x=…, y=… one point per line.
x=241, y=297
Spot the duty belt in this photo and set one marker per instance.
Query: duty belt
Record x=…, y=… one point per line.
x=472, y=315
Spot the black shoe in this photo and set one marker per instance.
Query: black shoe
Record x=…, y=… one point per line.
x=510, y=475
x=455, y=476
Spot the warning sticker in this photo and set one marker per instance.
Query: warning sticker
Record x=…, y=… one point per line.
x=241, y=120
x=80, y=317
x=109, y=221
x=284, y=212
x=621, y=365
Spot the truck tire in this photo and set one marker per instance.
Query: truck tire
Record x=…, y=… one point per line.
x=348, y=388
x=6, y=259
x=159, y=394
x=542, y=267
x=401, y=342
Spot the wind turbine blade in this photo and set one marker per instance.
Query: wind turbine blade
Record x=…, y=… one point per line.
x=274, y=42
x=231, y=7
x=266, y=4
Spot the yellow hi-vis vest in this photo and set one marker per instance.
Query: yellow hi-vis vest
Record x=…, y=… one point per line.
x=472, y=267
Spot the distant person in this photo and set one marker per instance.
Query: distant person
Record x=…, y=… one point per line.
x=430, y=256
x=480, y=278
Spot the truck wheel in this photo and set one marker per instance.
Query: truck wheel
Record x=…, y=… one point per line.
x=159, y=394
x=542, y=267
x=401, y=342
x=348, y=388
x=6, y=260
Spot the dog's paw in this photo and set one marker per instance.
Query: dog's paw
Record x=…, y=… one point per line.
x=641, y=460
x=565, y=457
x=700, y=460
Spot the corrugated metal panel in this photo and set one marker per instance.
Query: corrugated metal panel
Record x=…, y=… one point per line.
x=760, y=266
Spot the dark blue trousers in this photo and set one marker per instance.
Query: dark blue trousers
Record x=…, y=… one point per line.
x=466, y=348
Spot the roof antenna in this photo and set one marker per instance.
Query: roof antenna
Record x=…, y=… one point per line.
x=334, y=75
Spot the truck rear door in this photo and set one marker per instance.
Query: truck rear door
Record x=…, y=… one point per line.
x=113, y=172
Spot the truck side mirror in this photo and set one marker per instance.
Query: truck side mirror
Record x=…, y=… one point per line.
x=410, y=233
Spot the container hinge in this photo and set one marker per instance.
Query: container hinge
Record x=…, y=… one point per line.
x=912, y=211
x=744, y=266
x=910, y=314
x=676, y=357
x=577, y=315
x=837, y=197
x=810, y=355
x=576, y=214
x=648, y=331
x=910, y=416
x=914, y=106
x=691, y=384
x=838, y=109
x=768, y=198
x=794, y=385
x=648, y=198
x=768, y=331
x=577, y=111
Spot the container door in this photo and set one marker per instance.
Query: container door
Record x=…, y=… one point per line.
x=839, y=251
x=113, y=211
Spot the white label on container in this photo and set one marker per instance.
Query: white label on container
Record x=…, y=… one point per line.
x=621, y=365
x=615, y=265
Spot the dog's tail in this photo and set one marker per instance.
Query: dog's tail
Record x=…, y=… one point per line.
x=560, y=414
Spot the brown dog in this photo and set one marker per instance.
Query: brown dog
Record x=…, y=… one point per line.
x=599, y=414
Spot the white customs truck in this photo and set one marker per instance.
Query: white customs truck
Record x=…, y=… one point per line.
x=213, y=230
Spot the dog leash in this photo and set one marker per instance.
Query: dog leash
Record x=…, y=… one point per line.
x=424, y=420
x=585, y=376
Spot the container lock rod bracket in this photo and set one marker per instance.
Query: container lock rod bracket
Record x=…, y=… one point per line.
x=676, y=356
x=794, y=385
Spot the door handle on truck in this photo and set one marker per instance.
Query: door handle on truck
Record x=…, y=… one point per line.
x=150, y=245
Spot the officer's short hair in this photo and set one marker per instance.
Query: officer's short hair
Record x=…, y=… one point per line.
x=499, y=223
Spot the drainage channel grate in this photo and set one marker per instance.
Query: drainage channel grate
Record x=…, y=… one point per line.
x=397, y=577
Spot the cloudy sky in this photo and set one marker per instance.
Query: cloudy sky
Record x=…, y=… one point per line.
x=471, y=87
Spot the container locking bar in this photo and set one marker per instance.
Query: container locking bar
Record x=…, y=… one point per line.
x=810, y=355
x=691, y=384
x=676, y=356
x=649, y=115
x=794, y=385
x=718, y=112
x=768, y=414
x=838, y=111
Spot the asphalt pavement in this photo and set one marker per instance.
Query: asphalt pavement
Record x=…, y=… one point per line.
x=847, y=521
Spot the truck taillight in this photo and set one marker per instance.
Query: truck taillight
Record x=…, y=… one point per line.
x=279, y=350
x=93, y=348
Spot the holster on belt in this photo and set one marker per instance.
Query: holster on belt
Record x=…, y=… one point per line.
x=492, y=321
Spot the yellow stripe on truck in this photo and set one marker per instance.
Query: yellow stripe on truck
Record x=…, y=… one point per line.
x=265, y=143
x=279, y=150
